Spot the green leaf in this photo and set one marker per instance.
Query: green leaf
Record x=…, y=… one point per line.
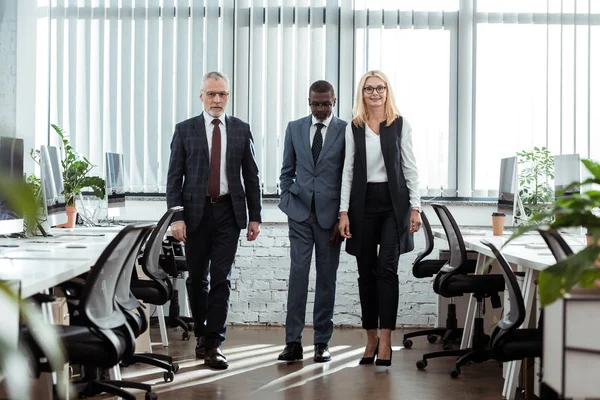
x=558, y=279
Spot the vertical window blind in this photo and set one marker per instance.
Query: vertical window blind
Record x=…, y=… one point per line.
x=123, y=73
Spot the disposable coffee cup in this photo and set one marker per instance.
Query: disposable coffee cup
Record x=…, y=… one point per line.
x=498, y=224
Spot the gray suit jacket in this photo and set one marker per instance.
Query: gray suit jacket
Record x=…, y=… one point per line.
x=190, y=160
x=301, y=179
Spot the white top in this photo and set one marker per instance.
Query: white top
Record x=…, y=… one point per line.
x=376, y=167
x=224, y=187
x=313, y=128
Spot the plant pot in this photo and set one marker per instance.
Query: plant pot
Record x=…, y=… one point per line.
x=71, y=218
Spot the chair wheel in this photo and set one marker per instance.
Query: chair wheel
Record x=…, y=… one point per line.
x=455, y=372
x=175, y=367
x=447, y=347
x=151, y=396
x=185, y=335
x=432, y=338
x=421, y=364
x=190, y=326
x=407, y=343
x=168, y=376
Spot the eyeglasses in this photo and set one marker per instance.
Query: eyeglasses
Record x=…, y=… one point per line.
x=370, y=89
x=320, y=105
x=213, y=94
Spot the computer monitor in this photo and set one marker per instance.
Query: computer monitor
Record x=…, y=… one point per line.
x=115, y=180
x=52, y=185
x=11, y=169
x=567, y=169
x=507, y=190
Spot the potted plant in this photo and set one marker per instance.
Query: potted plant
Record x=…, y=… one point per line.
x=576, y=210
x=535, y=175
x=21, y=198
x=75, y=177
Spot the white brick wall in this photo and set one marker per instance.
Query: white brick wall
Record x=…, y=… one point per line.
x=260, y=281
x=8, y=68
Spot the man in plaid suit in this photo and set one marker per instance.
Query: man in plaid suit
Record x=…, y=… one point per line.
x=210, y=154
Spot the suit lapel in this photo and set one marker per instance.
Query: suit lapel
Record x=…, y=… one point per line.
x=305, y=133
x=332, y=133
x=360, y=141
x=231, y=129
x=386, y=140
x=201, y=129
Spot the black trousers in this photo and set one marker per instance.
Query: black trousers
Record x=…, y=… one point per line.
x=378, y=273
x=211, y=248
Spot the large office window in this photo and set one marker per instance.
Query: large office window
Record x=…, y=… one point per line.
x=537, y=81
x=413, y=46
x=477, y=79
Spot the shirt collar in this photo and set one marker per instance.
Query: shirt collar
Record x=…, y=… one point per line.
x=209, y=118
x=327, y=122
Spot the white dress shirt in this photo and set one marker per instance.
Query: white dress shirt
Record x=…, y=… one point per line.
x=224, y=186
x=376, y=171
x=313, y=128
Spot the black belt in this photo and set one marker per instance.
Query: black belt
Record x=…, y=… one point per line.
x=219, y=199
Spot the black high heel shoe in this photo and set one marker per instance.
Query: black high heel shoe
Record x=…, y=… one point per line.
x=384, y=363
x=369, y=360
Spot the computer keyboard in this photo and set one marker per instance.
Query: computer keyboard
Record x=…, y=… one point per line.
x=473, y=232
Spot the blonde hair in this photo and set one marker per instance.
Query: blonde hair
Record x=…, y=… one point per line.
x=361, y=115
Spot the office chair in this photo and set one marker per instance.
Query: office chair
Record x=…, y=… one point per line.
x=174, y=263
x=557, y=245
x=99, y=336
x=154, y=291
x=449, y=283
x=508, y=342
x=158, y=263
x=426, y=269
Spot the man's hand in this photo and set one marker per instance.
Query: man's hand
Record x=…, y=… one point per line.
x=415, y=221
x=344, y=225
x=178, y=230
x=335, y=238
x=253, y=230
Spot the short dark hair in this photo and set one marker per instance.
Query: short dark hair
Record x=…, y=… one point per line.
x=321, y=87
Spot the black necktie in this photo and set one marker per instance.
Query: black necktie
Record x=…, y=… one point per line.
x=317, y=142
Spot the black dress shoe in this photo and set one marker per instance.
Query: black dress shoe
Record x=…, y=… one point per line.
x=384, y=363
x=216, y=359
x=322, y=353
x=292, y=352
x=370, y=360
x=200, y=350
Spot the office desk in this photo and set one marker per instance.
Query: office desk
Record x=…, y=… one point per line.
x=530, y=254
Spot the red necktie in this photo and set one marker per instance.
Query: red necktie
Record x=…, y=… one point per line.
x=214, y=182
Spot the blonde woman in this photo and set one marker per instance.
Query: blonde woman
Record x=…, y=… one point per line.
x=380, y=206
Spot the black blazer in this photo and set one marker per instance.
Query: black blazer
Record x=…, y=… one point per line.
x=190, y=160
x=390, y=137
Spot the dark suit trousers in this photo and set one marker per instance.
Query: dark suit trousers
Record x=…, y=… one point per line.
x=304, y=236
x=212, y=247
x=378, y=273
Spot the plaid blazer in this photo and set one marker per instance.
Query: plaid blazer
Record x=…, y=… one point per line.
x=189, y=171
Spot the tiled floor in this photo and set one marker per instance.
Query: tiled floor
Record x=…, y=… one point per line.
x=255, y=373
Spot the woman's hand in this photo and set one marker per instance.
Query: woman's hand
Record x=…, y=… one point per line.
x=415, y=221
x=344, y=225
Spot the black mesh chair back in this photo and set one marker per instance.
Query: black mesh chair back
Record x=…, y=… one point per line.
x=123, y=294
x=426, y=268
x=98, y=305
x=152, y=251
x=458, y=251
x=428, y=239
x=559, y=248
x=514, y=318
